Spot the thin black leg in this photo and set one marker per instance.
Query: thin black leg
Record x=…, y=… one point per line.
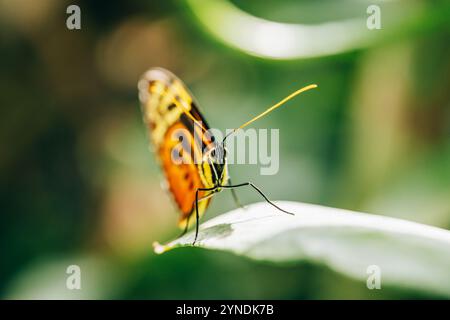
x=235, y=197
x=197, y=217
x=259, y=191
x=186, y=227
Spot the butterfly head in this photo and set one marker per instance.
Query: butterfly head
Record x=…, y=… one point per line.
x=218, y=154
x=217, y=157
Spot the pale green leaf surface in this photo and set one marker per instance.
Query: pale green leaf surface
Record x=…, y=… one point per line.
x=409, y=254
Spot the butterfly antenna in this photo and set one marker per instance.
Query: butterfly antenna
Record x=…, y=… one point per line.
x=272, y=108
x=186, y=111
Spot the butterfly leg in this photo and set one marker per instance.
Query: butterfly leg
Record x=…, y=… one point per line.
x=235, y=197
x=259, y=191
x=189, y=217
x=185, y=228
x=197, y=216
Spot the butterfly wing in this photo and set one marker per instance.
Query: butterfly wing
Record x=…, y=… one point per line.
x=170, y=114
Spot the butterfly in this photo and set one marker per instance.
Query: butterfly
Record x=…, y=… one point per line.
x=193, y=162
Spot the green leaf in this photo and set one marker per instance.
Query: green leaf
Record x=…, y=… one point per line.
x=409, y=254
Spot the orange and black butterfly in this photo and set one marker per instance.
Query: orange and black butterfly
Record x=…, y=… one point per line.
x=193, y=162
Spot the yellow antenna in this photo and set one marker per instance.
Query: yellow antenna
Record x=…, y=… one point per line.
x=186, y=111
x=182, y=106
x=275, y=106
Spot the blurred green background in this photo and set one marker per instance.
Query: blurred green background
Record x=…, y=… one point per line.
x=79, y=185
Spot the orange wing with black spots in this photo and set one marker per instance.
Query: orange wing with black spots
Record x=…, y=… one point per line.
x=170, y=114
